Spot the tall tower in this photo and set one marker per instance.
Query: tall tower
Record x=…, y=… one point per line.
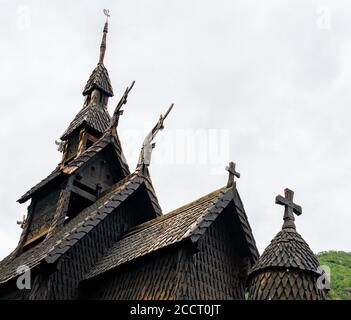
x=92, y=161
x=92, y=121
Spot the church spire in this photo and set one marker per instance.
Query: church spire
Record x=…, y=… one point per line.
x=93, y=119
x=103, y=41
x=99, y=78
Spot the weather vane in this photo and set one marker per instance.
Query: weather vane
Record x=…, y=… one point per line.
x=106, y=13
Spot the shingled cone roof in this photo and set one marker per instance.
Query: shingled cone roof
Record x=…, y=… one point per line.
x=92, y=115
x=287, y=269
x=287, y=250
x=99, y=79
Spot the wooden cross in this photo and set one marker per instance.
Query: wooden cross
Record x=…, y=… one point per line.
x=290, y=208
x=232, y=174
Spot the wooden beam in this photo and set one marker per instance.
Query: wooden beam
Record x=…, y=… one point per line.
x=83, y=194
x=37, y=234
x=84, y=183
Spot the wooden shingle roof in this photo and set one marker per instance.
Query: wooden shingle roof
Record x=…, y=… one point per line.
x=187, y=222
x=109, y=138
x=52, y=176
x=99, y=79
x=287, y=250
x=60, y=242
x=95, y=116
x=287, y=270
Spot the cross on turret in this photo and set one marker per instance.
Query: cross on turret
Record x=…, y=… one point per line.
x=232, y=174
x=290, y=208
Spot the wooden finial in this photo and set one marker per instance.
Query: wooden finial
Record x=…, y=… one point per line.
x=103, y=41
x=148, y=145
x=106, y=13
x=290, y=208
x=118, y=112
x=232, y=174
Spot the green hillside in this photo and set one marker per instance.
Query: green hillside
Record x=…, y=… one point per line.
x=339, y=263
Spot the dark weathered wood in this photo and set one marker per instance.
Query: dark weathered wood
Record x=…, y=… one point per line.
x=285, y=285
x=232, y=173
x=118, y=112
x=94, y=230
x=210, y=271
x=290, y=208
x=148, y=145
x=287, y=269
x=62, y=206
x=83, y=194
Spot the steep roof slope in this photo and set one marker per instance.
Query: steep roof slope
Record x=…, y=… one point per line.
x=188, y=222
x=60, y=242
x=100, y=79
x=95, y=116
x=287, y=250
x=287, y=269
x=109, y=138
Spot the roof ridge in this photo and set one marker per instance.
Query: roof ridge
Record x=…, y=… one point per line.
x=172, y=213
x=198, y=224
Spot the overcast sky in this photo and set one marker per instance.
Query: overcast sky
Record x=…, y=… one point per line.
x=263, y=83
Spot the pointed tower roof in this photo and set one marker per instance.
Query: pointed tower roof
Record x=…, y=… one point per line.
x=99, y=78
x=95, y=116
x=109, y=138
x=287, y=269
x=94, y=113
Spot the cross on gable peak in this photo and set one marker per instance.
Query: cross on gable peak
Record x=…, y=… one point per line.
x=232, y=174
x=290, y=208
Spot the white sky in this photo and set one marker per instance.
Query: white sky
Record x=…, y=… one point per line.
x=270, y=80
